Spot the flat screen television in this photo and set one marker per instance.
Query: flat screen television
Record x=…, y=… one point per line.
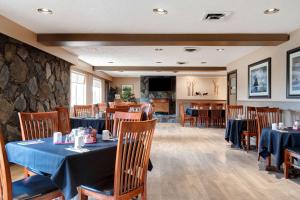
x=160, y=84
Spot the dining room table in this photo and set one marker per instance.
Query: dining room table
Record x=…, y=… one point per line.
x=95, y=123
x=234, y=130
x=67, y=167
x=276, y=141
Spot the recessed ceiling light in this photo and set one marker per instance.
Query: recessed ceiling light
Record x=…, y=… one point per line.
x=158, y=62
x=203, y=62
x=220, y=49
x=181, y=62
x=45, y=11
x=160, y=11
x=271, y=11
x=158, y=49
x=110, y=62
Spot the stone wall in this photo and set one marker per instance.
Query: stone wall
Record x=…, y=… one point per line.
x=30, y=81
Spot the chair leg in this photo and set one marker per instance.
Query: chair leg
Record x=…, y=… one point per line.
x=269, y=161
x=256, y=140
x=286, y=164
x=248, y=143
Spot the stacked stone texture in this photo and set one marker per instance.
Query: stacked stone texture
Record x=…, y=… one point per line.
x=30, y=81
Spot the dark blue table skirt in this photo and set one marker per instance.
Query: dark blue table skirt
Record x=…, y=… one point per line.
x=98, y=124
x=67, y=169
x=274, y=142
x=194, y=112
x=234, y=130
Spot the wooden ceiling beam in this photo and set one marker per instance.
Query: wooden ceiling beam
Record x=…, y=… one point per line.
x=82, y=39
x=158, y=68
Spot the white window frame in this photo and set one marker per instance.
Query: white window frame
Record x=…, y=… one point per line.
x=100, y=90
x=72, y=102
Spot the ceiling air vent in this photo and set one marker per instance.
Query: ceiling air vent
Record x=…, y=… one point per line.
x=190, y=49
x=216, y=16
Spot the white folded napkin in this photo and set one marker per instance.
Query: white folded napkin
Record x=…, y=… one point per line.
x=81, y=150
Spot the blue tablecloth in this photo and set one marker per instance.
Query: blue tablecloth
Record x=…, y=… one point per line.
x=67, y=169
x=234, y=130
x=194, y=112
x=274, y=142
x=98, y=124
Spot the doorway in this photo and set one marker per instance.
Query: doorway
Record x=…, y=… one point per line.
x=232, y=87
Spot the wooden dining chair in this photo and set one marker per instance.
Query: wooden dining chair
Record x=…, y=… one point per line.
x=130, y=178
x=184, y=117
x=290, y=155
x=264, y=118
x=124, y=116
x=252, y=130
x=63, y=119
x=217, y=119
x=203, y=118
x=83, y=110
x=35, y=187
x=234, y=110
x=38, y=125
x=109, y=117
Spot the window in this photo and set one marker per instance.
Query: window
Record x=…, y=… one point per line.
x=97, y=91
x=77, y=88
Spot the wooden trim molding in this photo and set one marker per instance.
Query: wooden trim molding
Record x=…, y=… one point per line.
x=109, y=39
x=165, y=68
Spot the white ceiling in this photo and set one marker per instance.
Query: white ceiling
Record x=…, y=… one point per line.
x=156, y=73
x=147, y=56
x=136, y=16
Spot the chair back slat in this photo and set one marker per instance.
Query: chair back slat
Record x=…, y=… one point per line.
x=5, y=176
x=38, y=125
x=109, y=117
x=133, y=152
x=63, y=119
x=265, y=117
x=234, y=110
x=83, y=110
x=251, y=119
x=124, y=116
x=203, y=111
x=216, y=111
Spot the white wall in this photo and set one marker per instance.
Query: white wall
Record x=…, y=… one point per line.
x=278, y=71
x=201, y=84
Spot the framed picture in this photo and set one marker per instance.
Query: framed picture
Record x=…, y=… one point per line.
x=259, y=79
x=127, y=88
x=293, y=73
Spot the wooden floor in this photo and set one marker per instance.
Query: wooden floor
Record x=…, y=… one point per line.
x=197, y=163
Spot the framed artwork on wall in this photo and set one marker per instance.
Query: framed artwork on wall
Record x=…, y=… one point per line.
x=293, y=73
x=127, y=88
x=259, y=79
